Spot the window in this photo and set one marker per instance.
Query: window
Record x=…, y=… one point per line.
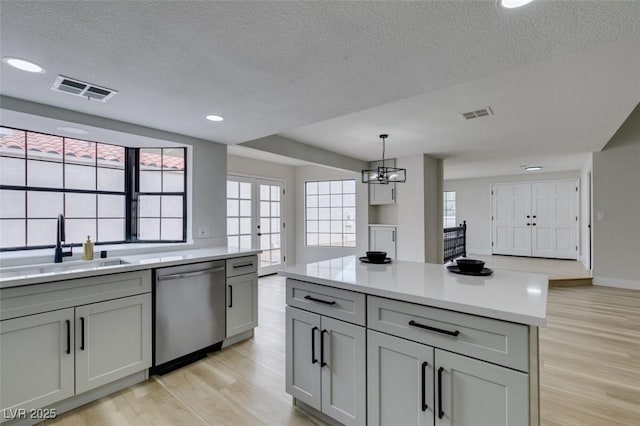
x=449, y=206
x=90, y=183
x=331, y=213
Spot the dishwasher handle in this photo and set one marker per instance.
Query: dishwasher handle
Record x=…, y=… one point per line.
x=191, y=274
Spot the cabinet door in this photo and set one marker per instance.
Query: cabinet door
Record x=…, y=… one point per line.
x=303, y=356
x=242, y=303
x=383, y=238
x=476, y=393
x=382, y=194
x=400, y=387
x=37, y=360
x=113, y=340
x=344, y=373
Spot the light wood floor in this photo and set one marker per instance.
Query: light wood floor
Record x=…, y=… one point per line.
x=555, y=268
x=590, y=371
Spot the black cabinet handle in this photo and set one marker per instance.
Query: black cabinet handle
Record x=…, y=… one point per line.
x=82, y=333
x=313, y=299
x=437, y=330
x=244, y=265
x=322, y=363
x=424, y=386
x=230, y=296
x=313, y=345
x=68, y=337
x=440, y=411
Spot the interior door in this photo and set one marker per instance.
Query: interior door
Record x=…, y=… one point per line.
x=554, y=220
x=255, y=219
x=511, y=220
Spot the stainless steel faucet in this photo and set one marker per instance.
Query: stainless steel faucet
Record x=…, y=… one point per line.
x=59, y=254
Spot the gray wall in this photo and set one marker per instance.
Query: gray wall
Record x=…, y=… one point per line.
x=616, y=195
x=473, y=204
x=306, y=254
x=266, y=169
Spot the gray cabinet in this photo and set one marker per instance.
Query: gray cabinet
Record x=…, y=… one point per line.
x=414, y=384
x=113, y=340
x=242, y=294
x=242, y=303
x=326, y=365
x=382, y=194
x=383, y=238
x=37, y=353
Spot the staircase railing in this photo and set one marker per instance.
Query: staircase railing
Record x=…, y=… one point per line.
x=455, y=242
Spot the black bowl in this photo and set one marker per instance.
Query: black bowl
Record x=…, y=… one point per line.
x=376, y=256
x=470, y=265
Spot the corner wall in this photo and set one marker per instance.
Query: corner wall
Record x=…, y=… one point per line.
x=616, y=205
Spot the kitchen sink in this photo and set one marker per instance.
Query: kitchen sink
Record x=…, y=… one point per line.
x=48, y=268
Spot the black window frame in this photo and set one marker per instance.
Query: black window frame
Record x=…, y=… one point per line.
x=131, y=194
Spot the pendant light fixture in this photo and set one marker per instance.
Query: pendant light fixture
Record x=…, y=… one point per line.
x=382, y=174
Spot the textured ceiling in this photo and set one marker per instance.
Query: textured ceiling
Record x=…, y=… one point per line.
x=274, y=67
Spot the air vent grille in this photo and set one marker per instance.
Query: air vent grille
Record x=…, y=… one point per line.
x=477, y=113
x=80, y=88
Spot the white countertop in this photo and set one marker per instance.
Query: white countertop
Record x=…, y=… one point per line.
x=133, y=263
x=506, y=295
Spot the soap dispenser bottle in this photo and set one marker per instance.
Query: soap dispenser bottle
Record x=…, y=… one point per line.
x=87, y=249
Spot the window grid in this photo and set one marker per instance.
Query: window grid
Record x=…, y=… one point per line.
x=449, y=209
x=43, y=175
x=330, y=213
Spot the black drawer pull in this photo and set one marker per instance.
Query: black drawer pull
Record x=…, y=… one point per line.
x=82, y=333
x=440, y=410
x=313, y=299
x=68, y=337
x=244, y=265
x=424, y=386
x=314, y=360
x=437, y=330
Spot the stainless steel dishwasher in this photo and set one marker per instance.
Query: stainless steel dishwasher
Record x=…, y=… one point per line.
x=189, y=312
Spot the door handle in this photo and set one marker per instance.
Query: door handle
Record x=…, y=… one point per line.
x=528, y=216
x=322, y=363
x=440, y=410
x=528, y=224
x=534, y=224
x=437, y=330
x=393, y=236
x=82, y=333
x=68, y=337
x=424, y=386
x=534, y=216
x=191, y=274
x=230, y=296
x=314, y=360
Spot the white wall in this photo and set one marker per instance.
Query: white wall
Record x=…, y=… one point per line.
x=616, y=196
x=473, y=204
x=306, y=254
x=266, y=169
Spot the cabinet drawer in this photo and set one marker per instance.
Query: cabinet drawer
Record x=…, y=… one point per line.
x=242, y=265
x=333, y=302
x=499, y=342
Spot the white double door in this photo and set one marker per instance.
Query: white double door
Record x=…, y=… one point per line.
x=538, y=219
x=255, y=219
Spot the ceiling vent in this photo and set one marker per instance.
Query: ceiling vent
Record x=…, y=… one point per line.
x=83, y=89
x=478, y=113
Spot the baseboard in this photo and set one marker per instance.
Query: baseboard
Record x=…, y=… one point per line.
x=616, y=282
x=478, y=251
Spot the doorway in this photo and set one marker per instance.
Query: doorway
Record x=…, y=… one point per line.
x=255, y=219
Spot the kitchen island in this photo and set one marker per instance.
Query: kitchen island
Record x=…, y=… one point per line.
x=412, y=343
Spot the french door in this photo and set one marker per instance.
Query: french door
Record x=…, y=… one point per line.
x=255, y=219
x=538, y=219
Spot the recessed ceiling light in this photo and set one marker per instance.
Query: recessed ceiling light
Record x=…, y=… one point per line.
x=214, y=117
x=512, y=4
x=73, y=130
x=533, y=168
x=23, y=65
